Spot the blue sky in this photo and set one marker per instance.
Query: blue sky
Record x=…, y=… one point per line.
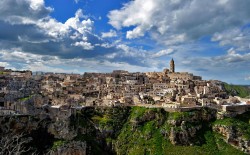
x=210, y=38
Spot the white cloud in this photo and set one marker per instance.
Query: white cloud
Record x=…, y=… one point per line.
x=174, y=21
x=36, y=4
x=35, y=38
x=136, y=32
x=34, y=13
x=53, y=28
x=41, y=66
x=109, y=34
x=247, y=78
x=132, y=52
x=238, y=38
x=111, y=56
x=59, y=30
x=50, y=45
x=47, y=63
x=231, y=67
x=8, y=65
x=4, y=64
x=27, y=9
x=84, y=45
x=77, y=1
x=231, y=51
x=105, y=45
x=77, y=24
x=79, y=13
x=163, y=53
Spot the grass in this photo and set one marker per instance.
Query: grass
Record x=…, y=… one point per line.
x=240, y=123
x=58, y=143
x=2, y=73
x=25, y=98
x=147, y=135
x=147, y=138
x=176, y=115
x=102, y=119
x=225, y=122
x=180, y=115
x=241, y=91
x=224, y=147
x=137, y=112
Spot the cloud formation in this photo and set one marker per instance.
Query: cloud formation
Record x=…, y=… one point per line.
x=175, y=21
x=109, y=34
x=237, y=38
x=145, y=35
x=32, y=30
x=184, y=27
x=163, y=52
x=247, y=78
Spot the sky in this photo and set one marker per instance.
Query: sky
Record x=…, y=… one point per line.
x=210, y=38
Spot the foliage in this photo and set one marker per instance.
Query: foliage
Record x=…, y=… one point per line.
x=148, y=137
x=179, y=115
x=58, y=143
x=240, y=123
x=2, y=73
x=140, y=130
x=25, y=98
x=238, y=90
x=96, y=122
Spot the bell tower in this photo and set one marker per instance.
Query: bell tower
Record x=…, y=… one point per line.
x=172, y=66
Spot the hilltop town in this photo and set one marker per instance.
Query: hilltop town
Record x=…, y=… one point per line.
x=24, y=92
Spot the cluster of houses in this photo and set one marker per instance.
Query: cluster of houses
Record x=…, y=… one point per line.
x=27, y=93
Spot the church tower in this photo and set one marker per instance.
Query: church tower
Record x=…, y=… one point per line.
x=172, y=66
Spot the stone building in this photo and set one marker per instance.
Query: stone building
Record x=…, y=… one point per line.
x=172, y=66
x=1, y=68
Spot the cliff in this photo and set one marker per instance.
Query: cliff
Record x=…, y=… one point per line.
x=235, y=131
x=136, y=130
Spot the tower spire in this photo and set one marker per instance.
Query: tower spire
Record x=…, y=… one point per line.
x=172, y=66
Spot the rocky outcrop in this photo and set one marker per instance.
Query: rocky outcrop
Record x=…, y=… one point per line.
x=117, y=130
x=232, y=136
x=61, y=129
x=183, y=135
x=148, y=116
x=184, y=129
x=72, y=148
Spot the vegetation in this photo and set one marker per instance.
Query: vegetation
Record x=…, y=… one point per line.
x=240, y=123
x=146, y=137
x=238, y=90
x=13, y=143
x=25, y=98
x=179, y=115
x=94, y=123
x=1, y=73
x=139, y=130
x=58, y=143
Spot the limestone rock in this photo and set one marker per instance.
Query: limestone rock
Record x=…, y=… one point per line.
x=72, y=148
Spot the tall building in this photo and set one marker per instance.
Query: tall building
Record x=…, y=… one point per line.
x=172, y=66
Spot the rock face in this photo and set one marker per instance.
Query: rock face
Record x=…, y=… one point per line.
x=72, y=148
x=183, y=136
x=61, y=129
x=233, y=137
x=184, y=128
x=126, y=130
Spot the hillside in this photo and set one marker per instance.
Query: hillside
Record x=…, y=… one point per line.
x=237, y=90
x=135, y=131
